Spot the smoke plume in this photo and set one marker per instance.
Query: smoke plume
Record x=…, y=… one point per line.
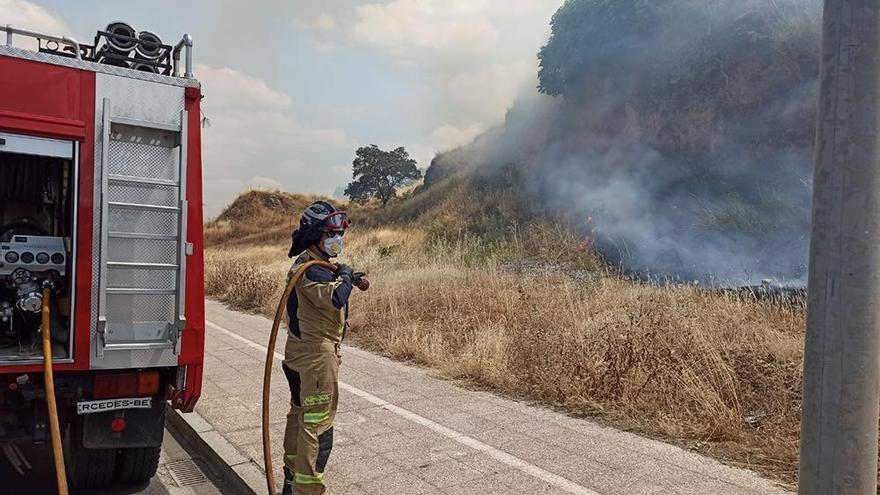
x=683, y=128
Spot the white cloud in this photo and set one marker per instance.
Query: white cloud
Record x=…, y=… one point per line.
x=247, y=116
x=260, y=182
x=489, y=91
x=239, y=89
x=322, y=22
x=449, y=136
x=462, y=25
x=255, y=140
x=28, y=15
x=474, y=57
x=447, y=24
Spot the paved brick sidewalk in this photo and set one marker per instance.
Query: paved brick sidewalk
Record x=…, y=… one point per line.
x=400, y=431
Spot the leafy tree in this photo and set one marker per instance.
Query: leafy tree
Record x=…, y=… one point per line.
x=615, y=39
x=624, y=43
x=378, y=173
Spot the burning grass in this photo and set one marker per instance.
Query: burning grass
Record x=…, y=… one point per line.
x=710, y=371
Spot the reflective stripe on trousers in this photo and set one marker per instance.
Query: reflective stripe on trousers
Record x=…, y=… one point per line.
x=308, y=438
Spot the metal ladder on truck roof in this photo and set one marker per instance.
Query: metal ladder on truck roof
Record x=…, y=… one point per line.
x=143, y=248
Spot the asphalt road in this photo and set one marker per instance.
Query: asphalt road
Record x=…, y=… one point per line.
x=179, y=474
x=402, y=431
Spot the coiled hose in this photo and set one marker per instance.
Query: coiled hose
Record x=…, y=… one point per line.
x=60, y=474
x=267, y=373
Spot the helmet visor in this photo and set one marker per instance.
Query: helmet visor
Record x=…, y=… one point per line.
x=336, y=221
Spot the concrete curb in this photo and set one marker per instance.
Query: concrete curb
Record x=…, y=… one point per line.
x=240, y=472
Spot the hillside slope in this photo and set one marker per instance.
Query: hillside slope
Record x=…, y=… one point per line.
x=257, y=217
x=533, y=315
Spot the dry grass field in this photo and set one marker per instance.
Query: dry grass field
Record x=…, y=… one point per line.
x=716, y=373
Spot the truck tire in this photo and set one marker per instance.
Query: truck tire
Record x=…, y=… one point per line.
x=137, y=465
x=87, y=468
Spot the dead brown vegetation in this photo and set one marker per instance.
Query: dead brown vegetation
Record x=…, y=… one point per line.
x=713, y=372
x=256, y=217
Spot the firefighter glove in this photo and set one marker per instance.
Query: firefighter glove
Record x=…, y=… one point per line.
x=344, y=272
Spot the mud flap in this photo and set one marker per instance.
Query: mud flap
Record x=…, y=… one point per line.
x=143, y=427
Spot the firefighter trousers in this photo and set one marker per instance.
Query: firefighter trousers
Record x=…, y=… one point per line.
x=312, y=371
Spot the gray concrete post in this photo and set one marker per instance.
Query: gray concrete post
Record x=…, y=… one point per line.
x=842, y=361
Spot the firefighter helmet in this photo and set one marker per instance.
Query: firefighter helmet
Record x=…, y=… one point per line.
x=318, y=218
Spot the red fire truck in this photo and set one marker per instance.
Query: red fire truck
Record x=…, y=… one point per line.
x=101, y=206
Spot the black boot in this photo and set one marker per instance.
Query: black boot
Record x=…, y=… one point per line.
x=288, y=482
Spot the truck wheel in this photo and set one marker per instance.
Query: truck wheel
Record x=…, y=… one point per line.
x=87, y=468
x=137, y=465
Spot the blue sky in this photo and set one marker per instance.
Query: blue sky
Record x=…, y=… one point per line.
x=294, y=87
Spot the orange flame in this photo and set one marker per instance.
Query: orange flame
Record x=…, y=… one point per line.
x=589, y=241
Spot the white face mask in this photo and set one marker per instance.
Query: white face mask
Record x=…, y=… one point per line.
x=333, y=245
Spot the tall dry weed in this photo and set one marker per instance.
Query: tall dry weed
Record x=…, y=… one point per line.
x=678, y=363
x=708, y=370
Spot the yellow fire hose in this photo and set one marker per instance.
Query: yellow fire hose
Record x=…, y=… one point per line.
x=60, y=474
x=267, y=374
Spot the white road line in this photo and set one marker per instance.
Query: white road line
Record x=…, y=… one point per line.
x=499, y=455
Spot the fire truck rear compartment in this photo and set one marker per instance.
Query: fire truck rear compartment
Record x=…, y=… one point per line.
x=36, y=224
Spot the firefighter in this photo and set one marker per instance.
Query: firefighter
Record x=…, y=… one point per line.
x=316, y=313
